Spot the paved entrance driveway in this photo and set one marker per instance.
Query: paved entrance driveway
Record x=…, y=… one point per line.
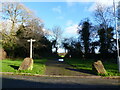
x=20, y=81
x=54, y=67
x=81, y=79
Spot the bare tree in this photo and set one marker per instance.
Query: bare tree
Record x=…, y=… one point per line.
x=57, y=36
x=103, y=15
x=15, y=13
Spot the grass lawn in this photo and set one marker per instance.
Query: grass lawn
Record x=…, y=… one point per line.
x=9, y=65
x=111, y=68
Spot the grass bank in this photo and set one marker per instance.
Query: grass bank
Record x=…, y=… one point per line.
x=9, y=65
x=111, y=68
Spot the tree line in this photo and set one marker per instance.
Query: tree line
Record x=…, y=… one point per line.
x=24, y=25
x=20, y=24
x=95, y=41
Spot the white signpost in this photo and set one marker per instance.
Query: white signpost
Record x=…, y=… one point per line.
x=31, y=40
x=117, y=34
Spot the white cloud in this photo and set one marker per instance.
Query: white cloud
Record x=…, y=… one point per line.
x=92, y=7
x=69, y=23
x=106, y=3
x=71, y=30
x=57, y=9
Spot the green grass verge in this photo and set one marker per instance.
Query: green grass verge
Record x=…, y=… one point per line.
x=9, y=65
x=111, y=68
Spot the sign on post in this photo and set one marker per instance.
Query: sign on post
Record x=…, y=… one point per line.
x=31, y=40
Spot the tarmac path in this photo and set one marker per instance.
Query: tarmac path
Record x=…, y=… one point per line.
x=59, y=69
x=54, y=67
x=21, y=81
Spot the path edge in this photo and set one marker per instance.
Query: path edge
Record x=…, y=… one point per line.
x=38, y=75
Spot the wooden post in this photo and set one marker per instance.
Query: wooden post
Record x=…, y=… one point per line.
x=31, y=40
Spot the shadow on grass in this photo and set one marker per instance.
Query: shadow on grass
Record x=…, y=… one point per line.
x=15, y=67
x=82, y=70
x=39, y=61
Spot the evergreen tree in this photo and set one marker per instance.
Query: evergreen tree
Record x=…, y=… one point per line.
x=84, y=34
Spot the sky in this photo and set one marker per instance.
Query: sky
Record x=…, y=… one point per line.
x=67, y=15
